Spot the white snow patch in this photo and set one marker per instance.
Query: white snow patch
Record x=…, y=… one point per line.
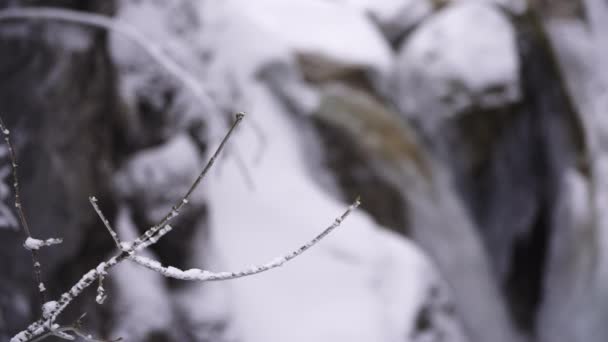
x=48, y=308
x=35, y=244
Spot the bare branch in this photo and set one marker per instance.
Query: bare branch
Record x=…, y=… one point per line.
x=177, y=207
x=19, y=207
x=202, y=275
x=154, y=238
x=106, y=223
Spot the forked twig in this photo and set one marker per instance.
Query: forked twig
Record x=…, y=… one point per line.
x=104, y=220
x=19, y=207
x=202, y=275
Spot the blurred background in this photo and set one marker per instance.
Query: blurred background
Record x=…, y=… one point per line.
x=475, y=132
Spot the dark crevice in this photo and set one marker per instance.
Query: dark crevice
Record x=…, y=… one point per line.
x=558, y=143
x=524, y=282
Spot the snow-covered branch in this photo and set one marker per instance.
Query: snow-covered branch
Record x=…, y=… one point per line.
x=30, y=243
x=35, y=244
x=104, y=220
x=202, y=275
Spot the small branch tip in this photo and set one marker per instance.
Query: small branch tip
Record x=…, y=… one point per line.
x=240, y=116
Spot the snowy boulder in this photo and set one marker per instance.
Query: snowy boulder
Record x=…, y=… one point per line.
x=395, y=17
x=464, y=57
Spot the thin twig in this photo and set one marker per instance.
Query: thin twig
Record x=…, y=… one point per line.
x=178, y=206
x=154, y=238
x=19, y=207
x=202, y=275
x=105, y=221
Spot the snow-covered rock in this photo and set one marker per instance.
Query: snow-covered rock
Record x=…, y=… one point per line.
x=463, y=57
